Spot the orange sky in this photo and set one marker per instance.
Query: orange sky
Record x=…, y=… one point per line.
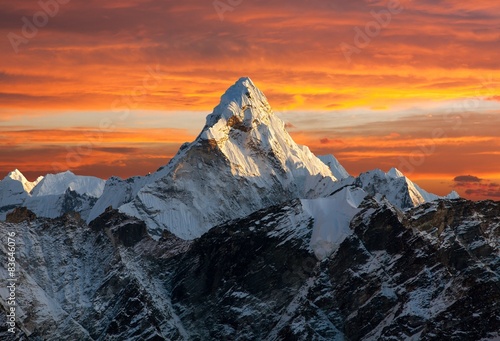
x=114, y=87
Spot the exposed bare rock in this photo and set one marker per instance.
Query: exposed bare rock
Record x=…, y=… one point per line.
x=19, y=215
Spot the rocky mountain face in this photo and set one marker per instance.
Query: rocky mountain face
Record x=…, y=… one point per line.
x=246, y=235
x=242, y=161
x=430, y=273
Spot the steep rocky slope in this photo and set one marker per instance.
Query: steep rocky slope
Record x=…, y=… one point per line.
x=431, y=273
x=242, y=161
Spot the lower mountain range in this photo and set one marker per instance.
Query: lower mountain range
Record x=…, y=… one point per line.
x=245, y=235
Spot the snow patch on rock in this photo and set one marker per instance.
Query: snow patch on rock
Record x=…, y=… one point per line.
x=332, y=218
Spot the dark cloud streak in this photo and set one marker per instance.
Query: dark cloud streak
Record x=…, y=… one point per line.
x=467, y=178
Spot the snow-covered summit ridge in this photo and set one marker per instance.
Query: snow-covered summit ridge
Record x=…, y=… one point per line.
x=57, y=184
x=241, y=106
x=337, y=169
x=244, y=160
x=395, y=173
x=397, y=188
x=16, y=175
x=50, y=196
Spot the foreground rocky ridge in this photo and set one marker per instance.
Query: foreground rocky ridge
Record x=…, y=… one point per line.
x=430, y=273
x=246, y=235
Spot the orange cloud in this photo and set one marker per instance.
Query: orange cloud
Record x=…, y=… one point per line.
x=104, y=51
x=123, y=152
x=98, y=56
x=93, y=136
x=424, y=147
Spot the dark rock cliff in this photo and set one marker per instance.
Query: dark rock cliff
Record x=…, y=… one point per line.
x=431, y=273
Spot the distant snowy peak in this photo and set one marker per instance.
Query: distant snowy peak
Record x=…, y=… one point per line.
x=397, y=188
x=453, y=195
x=14, y=191
x=58, y=184
x=16, y=175
x=50, y=196
x=335, y=167
x=12, y=194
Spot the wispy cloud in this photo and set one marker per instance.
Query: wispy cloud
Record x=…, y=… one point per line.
x=476, y=187
x=370, y=113
x=463, y=180
x=427, y=52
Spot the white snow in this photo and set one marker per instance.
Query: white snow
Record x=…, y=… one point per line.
x=337, y=169
x=57, y=184
x=14, y=190
x=395, y=173
x=397, y=188
x=452, y=195
x=332, y=218
x=48, y=196
x=18, y=176
x=242, y=161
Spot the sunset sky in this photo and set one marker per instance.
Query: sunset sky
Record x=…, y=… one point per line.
x=115, y=87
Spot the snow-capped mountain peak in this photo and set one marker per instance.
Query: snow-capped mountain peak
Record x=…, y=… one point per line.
x=57, y=184
x=453, y=195
x=397, y=188
x=395, y=173
x=253, y=139
x=243, y=117
x=18, y=176
x=242, y=106
x=337, y=169
x=242, y=161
